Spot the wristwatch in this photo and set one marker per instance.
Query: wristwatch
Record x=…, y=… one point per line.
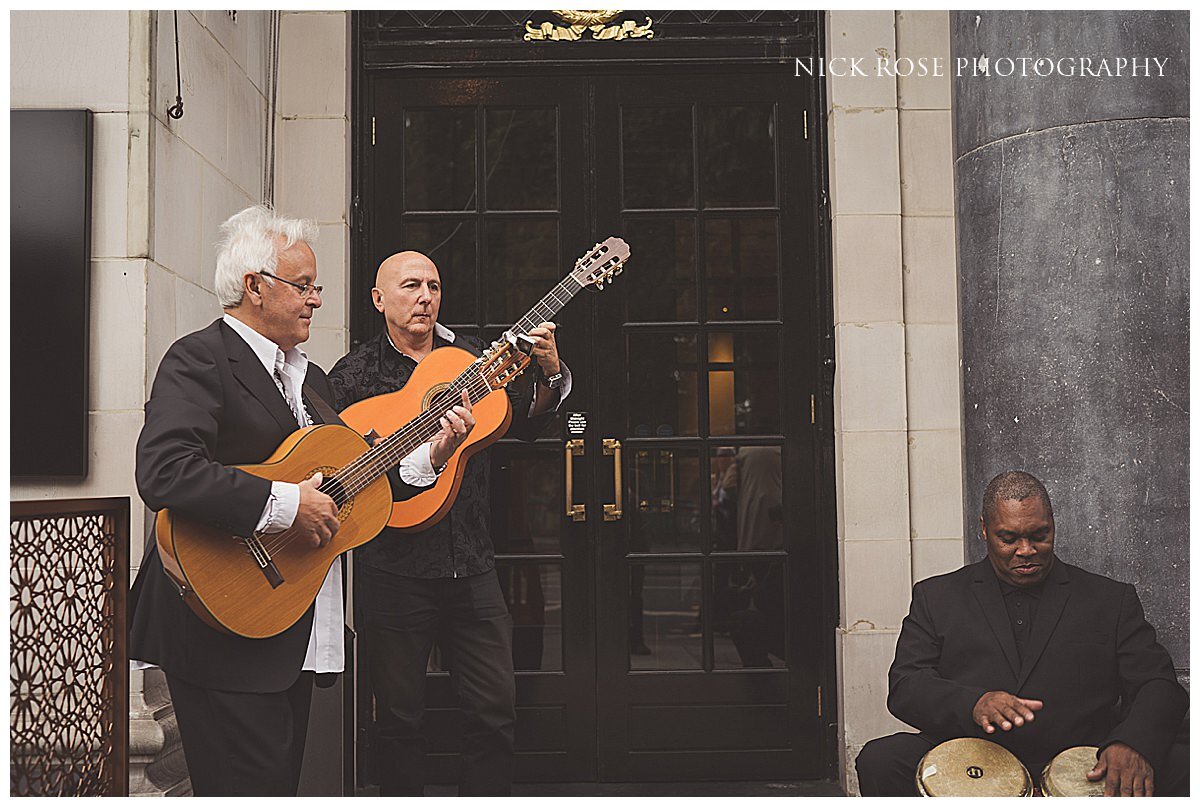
x=554, y=381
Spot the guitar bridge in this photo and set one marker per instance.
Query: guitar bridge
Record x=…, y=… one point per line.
x=263, y=559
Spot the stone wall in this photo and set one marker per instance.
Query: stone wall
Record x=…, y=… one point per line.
x=896, y=391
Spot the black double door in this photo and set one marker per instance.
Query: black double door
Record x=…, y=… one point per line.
x=659, y=545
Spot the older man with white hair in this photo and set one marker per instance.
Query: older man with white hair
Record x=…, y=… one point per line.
x=229, y=394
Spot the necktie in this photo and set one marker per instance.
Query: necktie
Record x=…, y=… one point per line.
x=287, y=395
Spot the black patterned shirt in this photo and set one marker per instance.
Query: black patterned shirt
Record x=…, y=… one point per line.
x=460, y=544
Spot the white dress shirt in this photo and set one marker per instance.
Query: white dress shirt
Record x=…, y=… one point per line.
x=326, y=643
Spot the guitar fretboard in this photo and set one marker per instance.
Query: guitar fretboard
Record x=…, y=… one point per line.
x=548, y=306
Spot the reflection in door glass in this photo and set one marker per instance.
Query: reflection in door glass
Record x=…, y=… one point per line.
x=663, y=401
x=665, y=500
x=665, y=631
x=741, y=259
x=533, y=592
x=749, y=617
x=521, y=266
x=656, y=152
x=522, y=159
x=527, y=498
x=743, y=382
x=747, y=498
x=662, y=288
x=439, y=159
x=738, y=148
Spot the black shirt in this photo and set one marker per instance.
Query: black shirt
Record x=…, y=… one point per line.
x=460, y=545
x=1021, y=604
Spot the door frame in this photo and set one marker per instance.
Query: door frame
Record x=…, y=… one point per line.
x=431, y=54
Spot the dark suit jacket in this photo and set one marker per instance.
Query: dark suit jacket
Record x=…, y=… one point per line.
x=1092, y=659
x=212, y=405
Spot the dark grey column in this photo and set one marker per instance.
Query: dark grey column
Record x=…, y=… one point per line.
x=1072, y=204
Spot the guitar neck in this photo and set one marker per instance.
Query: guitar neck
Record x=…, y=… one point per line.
x=421, y=429
x=548, y=306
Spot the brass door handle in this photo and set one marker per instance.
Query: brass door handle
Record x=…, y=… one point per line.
x=612, y=448
x=575, y=512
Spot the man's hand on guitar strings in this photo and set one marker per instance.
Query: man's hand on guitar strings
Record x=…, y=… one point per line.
x=456, y=425
x=545, y=350
x=317, y=517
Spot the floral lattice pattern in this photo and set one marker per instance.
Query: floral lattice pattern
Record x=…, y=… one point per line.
x=64, y=579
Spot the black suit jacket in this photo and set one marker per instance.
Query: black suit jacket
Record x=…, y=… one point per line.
x=212, y=405
x=1092, y=659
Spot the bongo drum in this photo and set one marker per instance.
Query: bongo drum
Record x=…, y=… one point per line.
x=1066, y=774
x=969, y=766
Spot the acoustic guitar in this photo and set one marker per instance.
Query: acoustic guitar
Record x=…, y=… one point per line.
x=259, y=585
x=428, y=388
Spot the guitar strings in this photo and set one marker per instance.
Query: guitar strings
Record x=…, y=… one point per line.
x=351, y=480
x=348, y=482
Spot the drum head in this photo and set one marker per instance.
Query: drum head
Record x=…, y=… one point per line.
x=1066, y=774
x=969, y=766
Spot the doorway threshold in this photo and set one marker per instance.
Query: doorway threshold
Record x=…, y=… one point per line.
x=794, y=788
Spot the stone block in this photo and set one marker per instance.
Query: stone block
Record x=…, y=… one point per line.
x=867, y=281
x=195, y=307
x=160, y=318
x=204, y=67
x=874, y=486
x=229, y=32
x=867, y=655
x=311, y=177
x=930, y=269
x=326, y=345
x=864, y=161
x=933, y=380
x=110, y=184
x=934, y=556
x=876, y=584
x=864, y=35
x=926, y=162
x=220, y=199
x=247, y=133
x=869, y=385
x=117, y=335
x=935, y=484
x=313, y=65
x=69, y=59
x=176, y=238
x=924, y=35
x=333, y=269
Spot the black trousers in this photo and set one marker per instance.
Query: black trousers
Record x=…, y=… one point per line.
x=400, y=618
x=242, y=743
x=888, y=766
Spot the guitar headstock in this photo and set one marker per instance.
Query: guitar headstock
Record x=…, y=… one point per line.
x=601, y=263
x=501, y=363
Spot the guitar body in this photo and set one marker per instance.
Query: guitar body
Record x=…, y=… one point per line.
x=386, y=413
x=221, y=581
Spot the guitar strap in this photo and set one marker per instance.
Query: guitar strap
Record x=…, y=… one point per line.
x=323, y=409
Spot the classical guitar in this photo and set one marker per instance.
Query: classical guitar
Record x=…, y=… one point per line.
x=431, y=388
x=259, y=585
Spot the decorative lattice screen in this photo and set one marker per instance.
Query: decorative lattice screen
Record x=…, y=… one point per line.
x=68, y=665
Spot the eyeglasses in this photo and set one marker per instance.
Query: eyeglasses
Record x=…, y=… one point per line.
x=305, y=289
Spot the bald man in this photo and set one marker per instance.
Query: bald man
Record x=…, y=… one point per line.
x=412, y=589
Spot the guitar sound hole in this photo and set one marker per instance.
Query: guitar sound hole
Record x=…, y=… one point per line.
x=332, y=487
x=432, y=395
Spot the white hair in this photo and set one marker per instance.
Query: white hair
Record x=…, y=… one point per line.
x=250, y=242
